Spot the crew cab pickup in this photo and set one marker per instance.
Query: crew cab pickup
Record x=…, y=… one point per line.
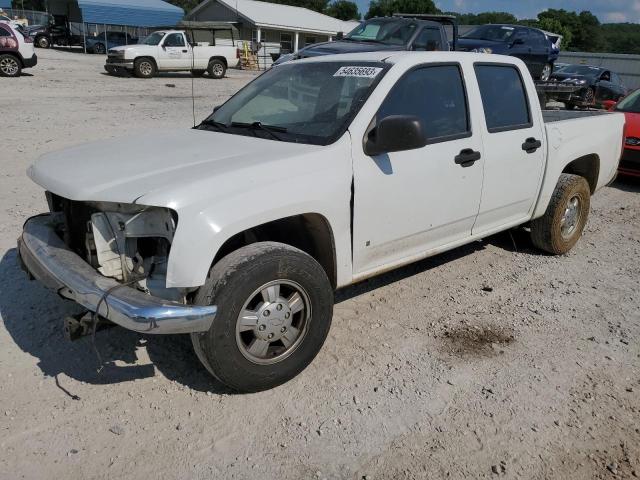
x=170, y=51
x=318, y=174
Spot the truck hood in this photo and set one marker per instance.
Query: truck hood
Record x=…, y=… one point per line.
x=128, y=169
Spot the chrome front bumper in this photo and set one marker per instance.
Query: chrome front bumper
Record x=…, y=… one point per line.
x=44, y=255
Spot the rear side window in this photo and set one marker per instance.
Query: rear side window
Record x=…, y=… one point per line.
x=504, y=97
x=5, y=33
x=437, y=96
x=428, y=39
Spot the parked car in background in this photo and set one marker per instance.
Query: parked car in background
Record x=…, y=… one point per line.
x=14, y=23
x=100, y=44
x=594, y=85
x=44, y=36
x=16, y=51
x=630, y=161
x=531, y=45
x=170, y=51
x=320, y=173
x=400, y=32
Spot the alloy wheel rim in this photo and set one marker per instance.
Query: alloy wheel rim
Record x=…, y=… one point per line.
x=145, y=68
x=217, y=69
x=43, y=43
x=273, y=322
x=9, y=66
x=571, y=217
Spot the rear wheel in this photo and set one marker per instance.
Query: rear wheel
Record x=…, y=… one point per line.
x=558, y=230
x=43, y=42
x=217, y=69
x=275, y=304
x=144, y=68
x=546, y=72
x=10, y=66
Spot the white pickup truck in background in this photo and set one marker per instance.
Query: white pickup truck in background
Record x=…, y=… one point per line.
x=318, y=174
x=170, y=51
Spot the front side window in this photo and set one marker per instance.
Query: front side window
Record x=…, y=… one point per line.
x=437, y=96
x=429, y=40
x=300, y=102
x=174, y=40
x=504, y=97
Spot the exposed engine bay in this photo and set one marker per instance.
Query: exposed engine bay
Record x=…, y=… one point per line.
x=127, y=242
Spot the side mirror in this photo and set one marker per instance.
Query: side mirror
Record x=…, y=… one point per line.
x=609, y=104
x=395, y=133
x=340, y=36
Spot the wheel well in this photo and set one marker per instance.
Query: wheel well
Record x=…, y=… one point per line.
x=222, y=59
x=587, y=167
x=148, y=58
x=310, y=233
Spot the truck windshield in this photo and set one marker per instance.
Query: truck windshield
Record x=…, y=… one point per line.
x=495, y=33
x=299, y=102
x=153, y=39
x=382, y=30
x=630, y=104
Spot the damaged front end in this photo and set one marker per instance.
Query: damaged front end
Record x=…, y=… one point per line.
x=129, y=243
x=112, y=259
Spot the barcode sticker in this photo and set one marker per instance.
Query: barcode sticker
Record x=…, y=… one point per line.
x=362, y=72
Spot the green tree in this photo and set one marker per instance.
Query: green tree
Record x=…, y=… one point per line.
x=383, y=8
x=343, y=10
x=554, y=26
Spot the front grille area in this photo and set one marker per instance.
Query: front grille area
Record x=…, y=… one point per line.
x=630, y=159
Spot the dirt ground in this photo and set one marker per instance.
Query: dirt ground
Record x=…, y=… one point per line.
x=490, y=361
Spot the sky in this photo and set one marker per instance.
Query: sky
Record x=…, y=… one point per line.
x=608, y=11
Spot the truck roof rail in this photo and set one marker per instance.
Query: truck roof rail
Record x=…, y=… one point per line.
x=446, y=19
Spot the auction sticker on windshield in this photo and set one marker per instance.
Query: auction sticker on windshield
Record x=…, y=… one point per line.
x=361, y=72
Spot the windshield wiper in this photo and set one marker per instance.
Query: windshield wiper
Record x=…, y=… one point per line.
x=212, y=123
x=270, y=129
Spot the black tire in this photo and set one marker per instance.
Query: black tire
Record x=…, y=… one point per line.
x=217, y=69
x=43, y=42
x=198, y=73
x=10, y=66
x=231, y=284
x=99, y=49
x=144, y=68
x=561, y=226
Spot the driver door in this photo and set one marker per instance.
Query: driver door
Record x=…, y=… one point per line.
x=408, y=203
x=173, y=52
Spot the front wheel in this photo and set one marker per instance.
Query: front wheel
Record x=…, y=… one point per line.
x=10, y=66
x=43, y=42
x=275, y=305
x=99, y=48
x=558, y=230
x=144, y=68
x=217, y=69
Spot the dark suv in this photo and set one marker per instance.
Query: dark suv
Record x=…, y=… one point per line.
x=400, y=32
x=529, y=44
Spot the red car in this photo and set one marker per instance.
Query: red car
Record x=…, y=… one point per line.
x=630, y=161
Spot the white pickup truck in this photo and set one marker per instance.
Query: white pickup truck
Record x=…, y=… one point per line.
x=170, y=51
x=318, y=174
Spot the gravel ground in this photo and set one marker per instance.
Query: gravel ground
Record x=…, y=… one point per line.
x=492, y=360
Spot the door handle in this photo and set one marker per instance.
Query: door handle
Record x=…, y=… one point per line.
x=467, y=157
x=185, y=51
x=530, y=145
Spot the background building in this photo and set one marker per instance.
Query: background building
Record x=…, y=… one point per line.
x=278, y=28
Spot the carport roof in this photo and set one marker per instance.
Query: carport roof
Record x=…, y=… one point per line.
x=138, y=13
x=5, y=3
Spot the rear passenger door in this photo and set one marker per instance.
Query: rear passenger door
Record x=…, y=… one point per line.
x=514, y=147
x=410, y=202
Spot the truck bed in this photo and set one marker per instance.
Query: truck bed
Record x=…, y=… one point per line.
x=550, y=116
